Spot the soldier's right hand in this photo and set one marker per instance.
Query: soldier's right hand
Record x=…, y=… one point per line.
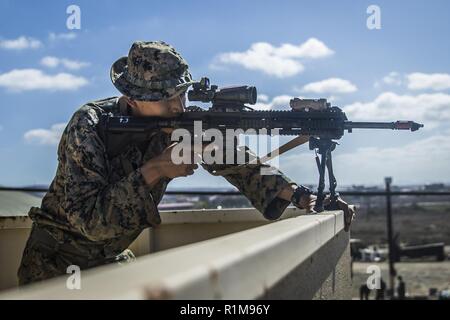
x=162, y=166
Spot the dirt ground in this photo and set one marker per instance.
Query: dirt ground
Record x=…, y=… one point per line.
x=418, y=276
x=414, y=224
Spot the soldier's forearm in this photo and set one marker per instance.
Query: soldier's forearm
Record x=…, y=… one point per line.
x=151, y=174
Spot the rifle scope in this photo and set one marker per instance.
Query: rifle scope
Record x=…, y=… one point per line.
x=202, y=91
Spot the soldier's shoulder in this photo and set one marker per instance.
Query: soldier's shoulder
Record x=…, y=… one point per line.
x=89, y=113
x=84, y=120
x=104, y=105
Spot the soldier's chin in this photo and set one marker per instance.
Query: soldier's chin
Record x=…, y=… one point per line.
x=174, y=113
x=167, y=130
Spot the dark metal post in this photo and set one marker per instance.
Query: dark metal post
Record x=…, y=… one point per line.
x=392, y=273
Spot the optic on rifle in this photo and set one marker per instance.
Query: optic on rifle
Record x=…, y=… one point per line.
x=202, y=91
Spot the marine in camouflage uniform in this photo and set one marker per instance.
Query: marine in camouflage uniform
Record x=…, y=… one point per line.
x=97, y=206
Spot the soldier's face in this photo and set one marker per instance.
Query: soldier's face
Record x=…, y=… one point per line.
x=163, y=108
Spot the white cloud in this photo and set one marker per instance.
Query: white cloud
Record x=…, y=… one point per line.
x=393, y=78
x=45, y=136
x=50, y=62
x=62, y=36
x=277, y=103
x=34, y=79
x=280, y=61
x=331, y=85
x=263, y=97
x=417, y=80
x=434, y=81
x=312, y=48
x=53, y=62
x=20, y=43
x=431, y=109
x=261, y=57
x=409, y=163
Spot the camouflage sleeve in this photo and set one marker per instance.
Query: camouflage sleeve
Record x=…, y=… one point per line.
x=260, y=189
x=98, y=209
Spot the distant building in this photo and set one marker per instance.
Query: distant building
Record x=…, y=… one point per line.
x=434, y=187
x=363, y=188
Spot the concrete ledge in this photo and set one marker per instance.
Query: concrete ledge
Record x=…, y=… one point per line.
x=222, y=216
x=254, y=263
x=178, y=228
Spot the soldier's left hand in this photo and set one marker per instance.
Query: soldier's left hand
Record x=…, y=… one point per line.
x=307, y=202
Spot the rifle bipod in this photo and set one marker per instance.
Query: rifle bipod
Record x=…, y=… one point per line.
x=324, y=147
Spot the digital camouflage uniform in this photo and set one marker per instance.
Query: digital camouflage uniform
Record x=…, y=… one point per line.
x=97, y=206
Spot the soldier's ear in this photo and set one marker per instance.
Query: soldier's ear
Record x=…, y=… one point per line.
x=131, y=102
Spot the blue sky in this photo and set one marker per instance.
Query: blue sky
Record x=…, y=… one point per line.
x=399, y=71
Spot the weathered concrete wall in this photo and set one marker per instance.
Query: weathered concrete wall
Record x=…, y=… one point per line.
x=178, y=228
x=338, y=284
x=14, y=233
x=300, y=257
x=324, y=275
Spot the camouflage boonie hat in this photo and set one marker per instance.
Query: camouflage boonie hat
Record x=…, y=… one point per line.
x=152, y=71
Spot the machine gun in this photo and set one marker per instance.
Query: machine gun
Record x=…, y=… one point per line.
x=311, y=120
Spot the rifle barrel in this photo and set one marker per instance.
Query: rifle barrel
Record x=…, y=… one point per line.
x=397, y=125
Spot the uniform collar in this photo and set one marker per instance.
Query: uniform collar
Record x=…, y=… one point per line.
x=124, y=108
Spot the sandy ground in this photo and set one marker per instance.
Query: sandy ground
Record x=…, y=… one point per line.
x=418, y=225
x=418, y=276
